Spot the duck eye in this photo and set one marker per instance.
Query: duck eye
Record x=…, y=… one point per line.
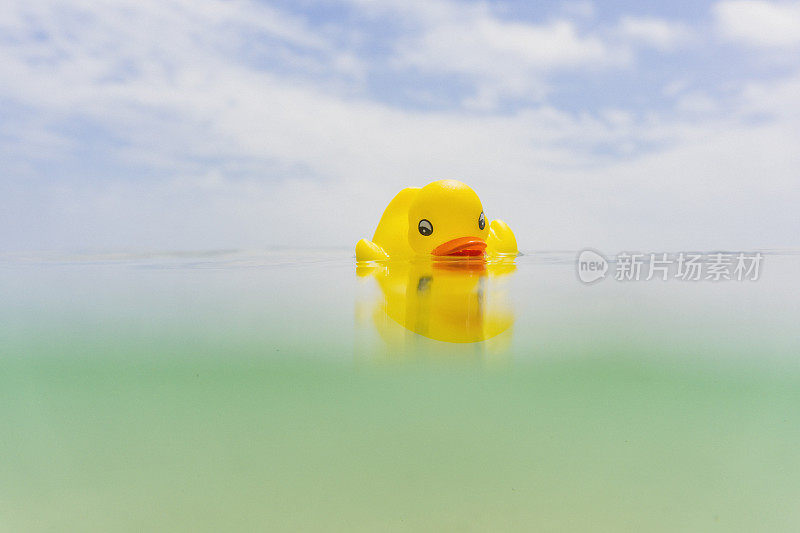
x=425, y=227
x=482, y=221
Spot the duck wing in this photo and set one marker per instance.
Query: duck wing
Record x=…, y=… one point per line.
x=392, y=231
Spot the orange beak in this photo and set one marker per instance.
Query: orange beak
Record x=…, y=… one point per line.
x=469, y=246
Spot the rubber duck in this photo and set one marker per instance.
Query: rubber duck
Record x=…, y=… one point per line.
x=451, y=301
x=443, y=219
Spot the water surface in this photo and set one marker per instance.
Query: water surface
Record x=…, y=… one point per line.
x=279, y=390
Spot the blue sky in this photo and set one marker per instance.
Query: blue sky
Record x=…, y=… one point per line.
x=175, y=124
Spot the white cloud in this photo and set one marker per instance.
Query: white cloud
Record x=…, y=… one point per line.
x=697, y=103
x=580, y=8
x=479, y=42
x=246, y=156
x=758, y=22
x=501, y=57
x=659, y=33
x=504, y=57
x=675, y=87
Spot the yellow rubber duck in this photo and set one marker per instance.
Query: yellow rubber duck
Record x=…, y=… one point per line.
x=451, y=301
x=443, y=218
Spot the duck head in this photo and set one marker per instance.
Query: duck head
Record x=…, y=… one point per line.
x=446, y=219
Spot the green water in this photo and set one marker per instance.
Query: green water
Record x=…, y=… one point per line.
x=257, y=391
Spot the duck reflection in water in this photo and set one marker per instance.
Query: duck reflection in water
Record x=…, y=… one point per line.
x=448, y=300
